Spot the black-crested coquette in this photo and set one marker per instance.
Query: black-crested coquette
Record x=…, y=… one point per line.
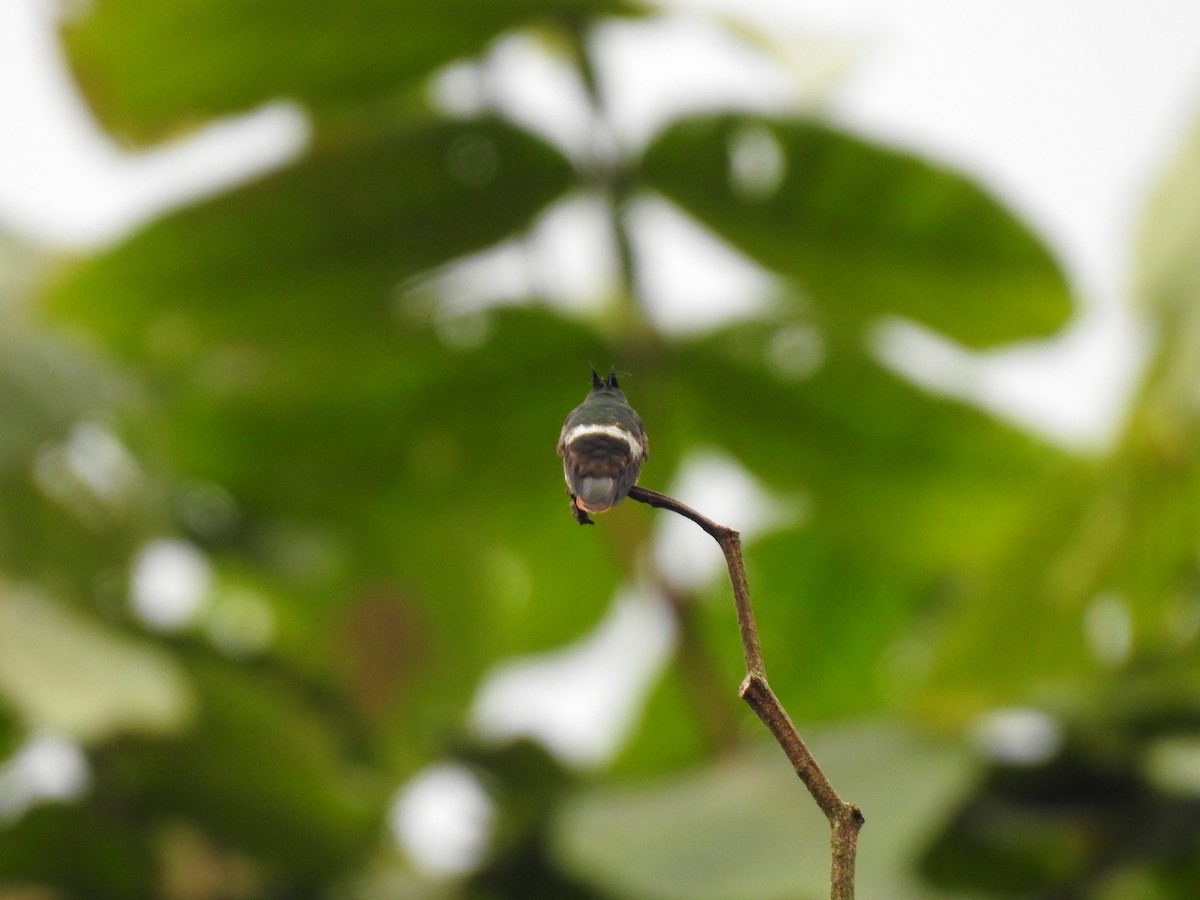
x=603, y=445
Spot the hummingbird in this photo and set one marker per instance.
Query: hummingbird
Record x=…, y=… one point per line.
x=603, y=445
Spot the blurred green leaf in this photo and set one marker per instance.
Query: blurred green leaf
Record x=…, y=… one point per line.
x=913, y=480
x=46, y=387
x=1167, y=278
x=149, y=67
x=313, y=257
x=66, y=673
x=1085, y=820
x=73, y=501
x=866, y=231
x=77, y=850
x=1166, y=266
x=1108, y=569
x=1107, y=572
x=265, y=769
x=294, y=373
x=11, y=732
x=745, y=828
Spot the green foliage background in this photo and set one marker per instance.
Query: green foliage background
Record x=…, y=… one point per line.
x=374, y=472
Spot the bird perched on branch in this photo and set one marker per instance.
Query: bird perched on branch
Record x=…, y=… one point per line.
x=603, y=445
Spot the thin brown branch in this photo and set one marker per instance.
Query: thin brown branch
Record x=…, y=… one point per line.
x=845, y=819
x=730, y=543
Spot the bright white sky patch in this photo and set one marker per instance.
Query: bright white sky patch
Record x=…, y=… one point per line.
x=692, y=281
x=1018, y=736
x=170, y=581
x=655, y=71
x=582, y=700
x=723, y=491
x=64, y=182
x=46, y=767
x=442, y=818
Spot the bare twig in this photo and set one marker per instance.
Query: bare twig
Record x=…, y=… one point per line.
x=845, y=819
